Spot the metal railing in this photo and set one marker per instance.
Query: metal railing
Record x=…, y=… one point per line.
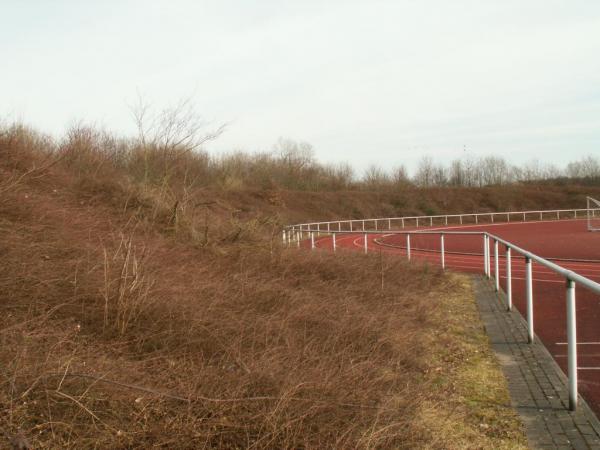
x=388, y=223
x=572, y=279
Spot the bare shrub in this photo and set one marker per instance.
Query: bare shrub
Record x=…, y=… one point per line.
x=127, y=289
x=25, y=155
x=91, y=152
x=170, y=139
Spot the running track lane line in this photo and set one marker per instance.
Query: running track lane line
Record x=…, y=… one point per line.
x=477, y=262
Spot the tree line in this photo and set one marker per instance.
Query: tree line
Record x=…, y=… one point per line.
x=170, y=149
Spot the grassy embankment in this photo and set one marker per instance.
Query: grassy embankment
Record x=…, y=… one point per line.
x=129, y=320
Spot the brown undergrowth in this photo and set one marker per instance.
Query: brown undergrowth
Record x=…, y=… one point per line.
x=129, y=324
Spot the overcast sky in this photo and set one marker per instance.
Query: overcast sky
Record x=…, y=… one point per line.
x=363, y=81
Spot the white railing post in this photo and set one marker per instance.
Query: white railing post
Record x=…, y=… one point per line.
x=489, y=258
x=389, y=224
x=403, y=222
x=460, y=218
x=540, y=215
x=445, y=220
x=575, y=214
x=492, y=216
x=508, y=280
x=375, y=224
x=333, y=242
x=312, y=240
x=476, y=219
x=328, y=227
x=557, y=215
x=443, y=256
x=508, y=217
x=363, y=225
x=430, y=221
x=408, y=246
x=529, y=297
x=350, y=225
x=572, y=345
x=366, y=244
x=298, y=239
x=485, y=267
x=496, y=266
x=524, y=220
x=417, y=222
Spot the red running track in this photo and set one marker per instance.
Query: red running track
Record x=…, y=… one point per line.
x=567, y=242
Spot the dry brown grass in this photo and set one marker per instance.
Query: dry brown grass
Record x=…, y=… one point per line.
x=253, y=347
x=127, y=323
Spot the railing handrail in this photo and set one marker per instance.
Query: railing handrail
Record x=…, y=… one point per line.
x=568, y=274
x=297, y=232
x=438, y=216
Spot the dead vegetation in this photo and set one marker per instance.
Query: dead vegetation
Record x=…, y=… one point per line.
x=140, y=314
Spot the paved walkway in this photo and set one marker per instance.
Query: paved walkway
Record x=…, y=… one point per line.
x=538, y=388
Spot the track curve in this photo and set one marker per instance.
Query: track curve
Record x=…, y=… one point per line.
x=565, y=241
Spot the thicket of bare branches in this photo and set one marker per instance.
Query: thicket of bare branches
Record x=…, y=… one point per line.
x=116, y=335
x=169, y=151
x=497, y=171
x=478, y=172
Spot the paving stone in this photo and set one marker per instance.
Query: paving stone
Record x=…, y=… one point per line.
x=586, y=429
x=536, y=384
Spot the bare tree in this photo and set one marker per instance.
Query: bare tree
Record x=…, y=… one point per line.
x=439, y=175
x=400, y=176
x=456, y=175
x=494, y=170
x=172, y=132
x=295, y=155
x=340, y=175
x=587, y=167
x=374, y=177
x=294, y=163
x=425, y=172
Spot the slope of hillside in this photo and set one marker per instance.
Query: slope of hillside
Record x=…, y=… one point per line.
x=130, y=320
x=301, y=206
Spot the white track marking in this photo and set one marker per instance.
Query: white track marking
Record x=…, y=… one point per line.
x=579, y=343
x=453, y=261
x=497, y=224
x=455, y=227
x=359, y=243
x=591, y=264
x=516, y=268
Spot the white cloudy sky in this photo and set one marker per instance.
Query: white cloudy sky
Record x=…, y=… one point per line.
x=363, y=81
